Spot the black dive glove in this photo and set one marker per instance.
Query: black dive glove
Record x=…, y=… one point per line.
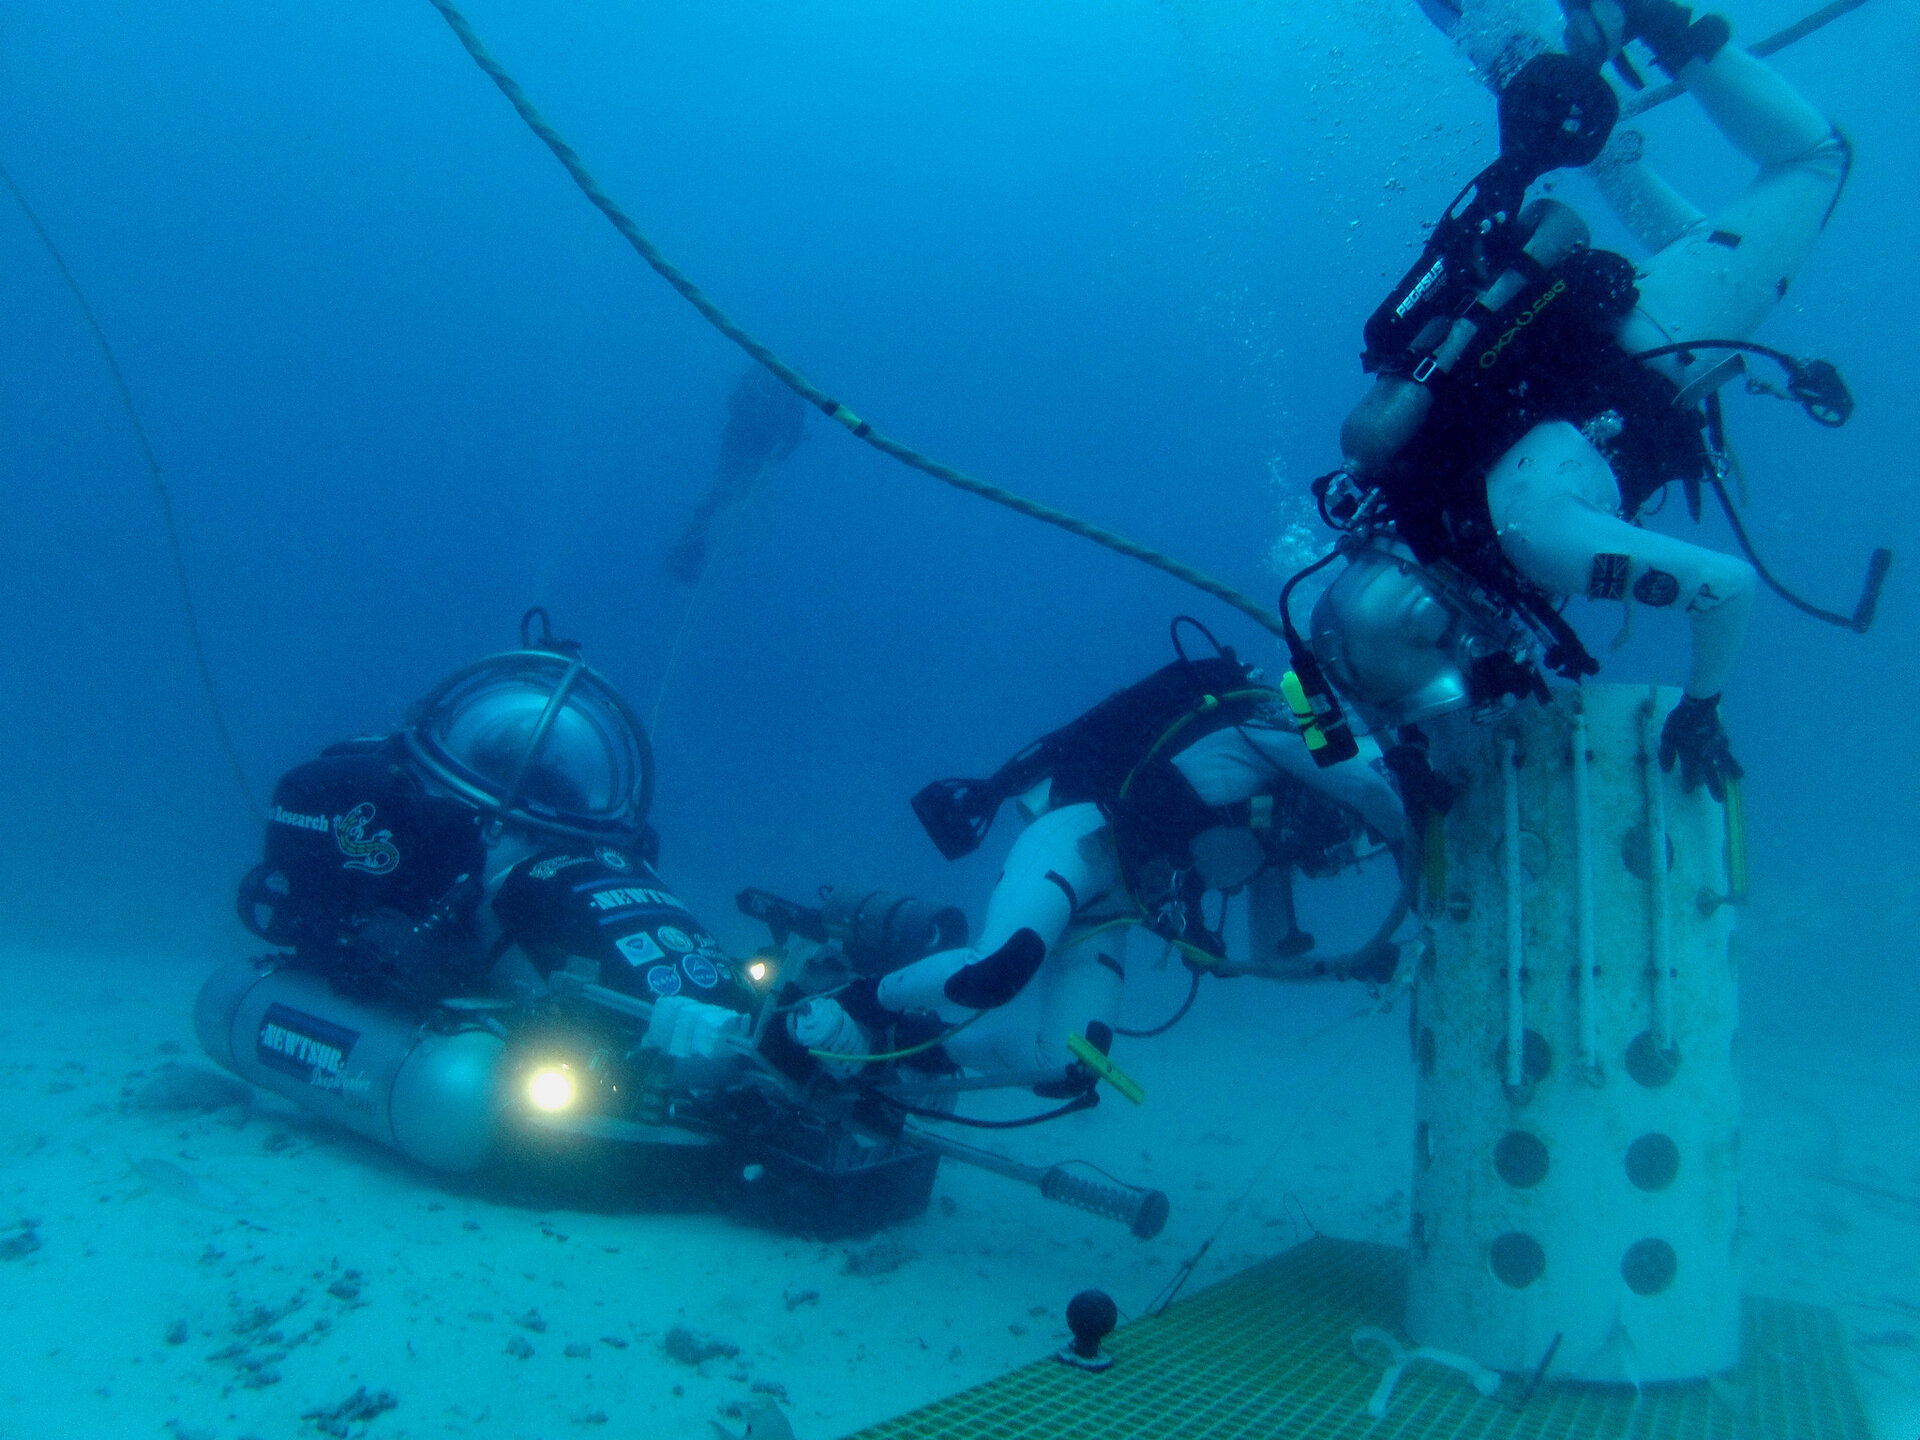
x=1667, y=27
x=1694, y=735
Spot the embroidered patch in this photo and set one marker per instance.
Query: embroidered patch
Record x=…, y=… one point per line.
x=365, y=848
x=1608, y=579
x=1656, y=588
x=638, y=949
x=663, y=980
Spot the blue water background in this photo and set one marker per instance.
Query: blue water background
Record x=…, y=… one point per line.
x=405, y=383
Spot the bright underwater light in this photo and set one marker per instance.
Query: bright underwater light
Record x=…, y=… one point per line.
x=761, y=970
x=551, y=1089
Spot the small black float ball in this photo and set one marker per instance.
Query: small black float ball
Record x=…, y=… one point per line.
x=1091, y=1315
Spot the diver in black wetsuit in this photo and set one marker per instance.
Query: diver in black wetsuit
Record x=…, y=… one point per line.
x=765, y=422
x=500, y=836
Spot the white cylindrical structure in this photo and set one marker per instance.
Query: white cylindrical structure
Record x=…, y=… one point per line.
x=1593, y=1202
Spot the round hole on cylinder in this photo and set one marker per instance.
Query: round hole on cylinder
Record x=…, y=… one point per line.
x=1648, y=1064
x=1653, y=1161
x=1536, y=1058
x=1649, y=1266
x=1635, y=846
x=1516, y=1259
x=1426, y=1051
x=1521, y=1159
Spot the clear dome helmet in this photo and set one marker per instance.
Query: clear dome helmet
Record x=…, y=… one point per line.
x=1400, y=641
x=538, y=739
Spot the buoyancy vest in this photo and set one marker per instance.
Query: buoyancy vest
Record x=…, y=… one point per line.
x=1550, y=353
x=1090, y=758
x=1119, y=756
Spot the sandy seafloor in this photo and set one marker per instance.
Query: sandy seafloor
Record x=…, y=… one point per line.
x=154, y=1309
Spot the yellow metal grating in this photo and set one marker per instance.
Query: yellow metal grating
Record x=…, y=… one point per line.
x=1266, y=1354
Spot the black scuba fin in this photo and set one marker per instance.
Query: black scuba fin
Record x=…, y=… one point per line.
x=956, y=814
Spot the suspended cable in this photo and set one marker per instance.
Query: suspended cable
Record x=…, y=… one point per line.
x=160, y=494
x=798, y=383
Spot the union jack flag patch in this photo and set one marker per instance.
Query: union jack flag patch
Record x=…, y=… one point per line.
x=1608, y=580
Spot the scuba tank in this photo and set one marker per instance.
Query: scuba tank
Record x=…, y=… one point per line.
x=1389, y=414
x=1485, y=249
x=435, y=1094
x=1483, y=253
x=881, y=932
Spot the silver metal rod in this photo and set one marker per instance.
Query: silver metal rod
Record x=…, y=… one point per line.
x=1587, y=1021
x=1142, y=1211
x=1660, y=94
x=905, y=1087
x=973, y=1155
x=634, y=1009
x=1516, y=936
x=610, y=1000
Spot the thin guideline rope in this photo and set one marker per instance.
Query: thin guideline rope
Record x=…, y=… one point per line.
x=687, y=615
x=160, y=493
x=805, y=388
x=1170, y=1292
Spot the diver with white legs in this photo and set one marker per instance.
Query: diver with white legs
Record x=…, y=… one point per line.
x=1534, y=393
x=1192, y=783
x=1576, y=1006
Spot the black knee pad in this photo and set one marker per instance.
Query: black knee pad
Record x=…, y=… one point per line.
x=995, y=979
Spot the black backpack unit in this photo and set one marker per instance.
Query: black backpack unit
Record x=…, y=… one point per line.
x=351, y=834
x=1094, y=757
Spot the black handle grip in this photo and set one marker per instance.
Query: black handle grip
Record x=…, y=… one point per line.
x=1144, y=1212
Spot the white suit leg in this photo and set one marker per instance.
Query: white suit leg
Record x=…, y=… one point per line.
x=1239, y=762
x=1061, y=862
x=1722, y=277
x=1077, y=985
x=1652, y=210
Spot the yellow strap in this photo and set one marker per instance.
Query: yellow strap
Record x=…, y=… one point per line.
x=1204, y=959
x=1736, y=811
x=1433, y=858
x=1120, y=1081
x=1105, y=1069
x=1296, y=697
x=919, y=1049
x=1208, y=703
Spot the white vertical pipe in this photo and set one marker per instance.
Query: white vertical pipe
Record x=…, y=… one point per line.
x=1516, y=937
x=1583, y=893
x=1662, y=882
